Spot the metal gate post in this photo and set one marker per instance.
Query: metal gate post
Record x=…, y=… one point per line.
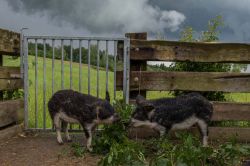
x=126, y=71
x=26, y=81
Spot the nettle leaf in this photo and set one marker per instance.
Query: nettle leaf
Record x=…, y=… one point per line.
x=110, y=159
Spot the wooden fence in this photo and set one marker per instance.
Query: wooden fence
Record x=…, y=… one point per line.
x=11, y=111
x=143, y=50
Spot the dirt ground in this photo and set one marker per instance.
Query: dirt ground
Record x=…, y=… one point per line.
x=35, y=149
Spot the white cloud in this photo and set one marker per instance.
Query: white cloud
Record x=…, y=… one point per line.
x=106, y=16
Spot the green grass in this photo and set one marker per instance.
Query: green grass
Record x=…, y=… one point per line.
x=9, y=61
x=57, y=85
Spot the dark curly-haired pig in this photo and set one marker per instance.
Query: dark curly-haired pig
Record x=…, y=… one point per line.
x=70, y=106
x=167, y=114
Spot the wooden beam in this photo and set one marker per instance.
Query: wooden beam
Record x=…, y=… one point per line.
x=231, y=111
x=9, y=42
x=11, y=112
x=10, y=84
x=10, y=132
x=9, y=72
x=228, y=111
x=155, y=50
x=136, y=65
x=1, y=64
x=137, y=36
x=215, y=133
x=192, y=81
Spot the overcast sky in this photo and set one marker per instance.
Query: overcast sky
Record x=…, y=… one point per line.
x=115, y=17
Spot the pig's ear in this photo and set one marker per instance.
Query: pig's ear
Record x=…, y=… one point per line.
x=140, y=99
x=107, y=96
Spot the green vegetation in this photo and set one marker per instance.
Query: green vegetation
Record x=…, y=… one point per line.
x=78, y=150
x=189, y=152
x=118, y=149
x=210, y=35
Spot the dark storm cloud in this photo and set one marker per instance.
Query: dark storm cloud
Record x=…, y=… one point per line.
x=236, y=15
x=104, y=16
x=119, y=16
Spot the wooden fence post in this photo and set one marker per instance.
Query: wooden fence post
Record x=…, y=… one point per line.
x=137, y=65
x=11, y=111
x=1, y=64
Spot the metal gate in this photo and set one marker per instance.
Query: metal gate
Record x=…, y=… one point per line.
x=51, y=63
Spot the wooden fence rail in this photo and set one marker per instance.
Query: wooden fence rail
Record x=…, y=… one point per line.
x=186, y=51
x=192, y=81
x=154, y=50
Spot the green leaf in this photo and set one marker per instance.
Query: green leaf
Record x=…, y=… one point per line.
x=110, y=159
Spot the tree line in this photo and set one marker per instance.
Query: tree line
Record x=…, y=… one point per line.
x=75, y=54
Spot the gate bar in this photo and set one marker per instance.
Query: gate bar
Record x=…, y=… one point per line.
x=115, y=55
x=62, y=64
x=71, y=59
x=74, y=38
x=53, y=65
x=44, y=84
x=98, y=67
x=36, y=88
x=80, y=65
x=107, y=67
x=89, y=67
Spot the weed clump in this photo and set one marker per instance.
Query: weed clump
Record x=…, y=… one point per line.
x=117, y=149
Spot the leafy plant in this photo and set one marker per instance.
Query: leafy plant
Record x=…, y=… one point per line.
x=190, y=152
x=78, y=150
x=127, y=153
x=115, y=133
x=114, y=143
x=12, y=94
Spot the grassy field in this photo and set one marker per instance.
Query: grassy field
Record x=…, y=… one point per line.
x=57, y=85
x=8, y=61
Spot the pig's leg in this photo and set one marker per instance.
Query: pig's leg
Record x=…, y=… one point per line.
x=88, y=132
x=67, y=132
x=57, y=123
x=203, y=127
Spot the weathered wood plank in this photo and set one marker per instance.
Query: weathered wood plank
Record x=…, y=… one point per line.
x=231, y=111
x=227, y=111
x=9, y=84
x=11, y=112
x=215, y=133
x=10, y=132
x=9, y=42
x=137, y=36
x=1, y=64
x=9, y=72
x=193, y=81
x=137, y=65
x=185, y=51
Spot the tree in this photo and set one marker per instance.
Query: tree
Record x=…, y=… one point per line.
x=210, y=35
